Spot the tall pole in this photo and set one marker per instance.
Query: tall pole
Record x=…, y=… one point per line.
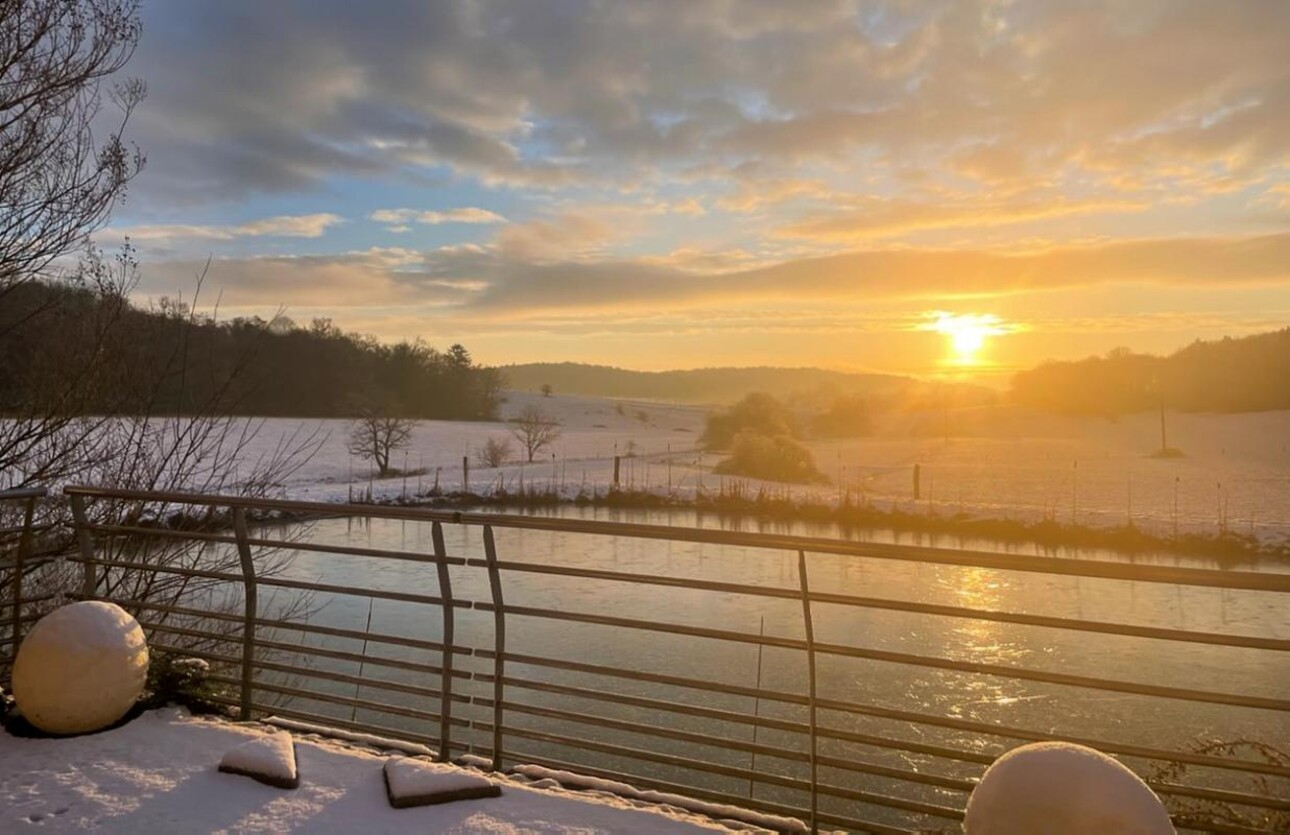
x=1164, y=441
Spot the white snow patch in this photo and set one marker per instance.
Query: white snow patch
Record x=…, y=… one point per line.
x=157, y=774
x=409, y=777
x=613, y=787
x=270, y=756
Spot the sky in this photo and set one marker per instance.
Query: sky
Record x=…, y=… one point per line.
x=689, y=183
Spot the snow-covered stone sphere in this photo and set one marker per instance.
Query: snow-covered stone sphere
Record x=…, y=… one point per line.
x=81, y=668
x=1063, y=789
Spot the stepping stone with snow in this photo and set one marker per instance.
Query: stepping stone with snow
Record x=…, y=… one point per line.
x=268, y=759
x=410, y=782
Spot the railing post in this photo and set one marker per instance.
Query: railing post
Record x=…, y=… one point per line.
x=810, y=669
x=499, y=643
x=24, y=547
x=445, y=687
x=89, y=572
x=251, y=611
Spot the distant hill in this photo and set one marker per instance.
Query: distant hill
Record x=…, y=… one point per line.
x=1248, y=374
x=704, y=385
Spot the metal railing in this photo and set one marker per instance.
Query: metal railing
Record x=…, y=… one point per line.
x=17, y=561
x=514, y=707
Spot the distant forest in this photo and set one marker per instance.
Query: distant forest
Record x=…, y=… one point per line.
x=168, y=360
x=702, y=385
x=1248, y=374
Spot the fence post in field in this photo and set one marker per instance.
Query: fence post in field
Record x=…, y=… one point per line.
x=810, y=669
x=465, y=474
x=499, y=643
x=445, y=687
x=251, y=609
x=89, y=574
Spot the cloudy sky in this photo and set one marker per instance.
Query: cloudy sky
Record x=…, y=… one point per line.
x=683, y=183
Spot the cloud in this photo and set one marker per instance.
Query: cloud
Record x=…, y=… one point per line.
x=862, y=219
x=398, y=219
x=556, y=95
x=567, y=236
x=521, y=288
x=283, y=226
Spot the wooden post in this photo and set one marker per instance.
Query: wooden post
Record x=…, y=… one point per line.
x=499, y=643
x=810, y=669
x=465, y=474
x=918, y=478
x=251, y=610
x=445, y=683
x=89, y=573
x=617, y=465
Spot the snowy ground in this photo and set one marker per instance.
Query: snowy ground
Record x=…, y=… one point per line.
x=158, y=774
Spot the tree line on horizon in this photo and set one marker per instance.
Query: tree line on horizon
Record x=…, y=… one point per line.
x=1244, y=374
x=169, y=359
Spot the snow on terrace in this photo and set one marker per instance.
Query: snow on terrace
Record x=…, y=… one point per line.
x=158, y=774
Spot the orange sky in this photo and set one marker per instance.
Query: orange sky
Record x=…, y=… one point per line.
x=672, y=185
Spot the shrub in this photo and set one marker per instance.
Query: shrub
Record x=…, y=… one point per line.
x=774, y=458
x=757, y=412
x=180, y=680
x=494, y=453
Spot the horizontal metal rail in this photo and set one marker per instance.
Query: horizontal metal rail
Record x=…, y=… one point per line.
x=859, y=708
x=1246, y=580
x=1001, y=670
x=954, y=783
x=178, y=571
x=21, y=529
x=20, y=493
x=328, y=721
x=353, y=591
x=283, y=544
x=1130, y=630
x=347, y=701
x=707, y=767
x=357, y=635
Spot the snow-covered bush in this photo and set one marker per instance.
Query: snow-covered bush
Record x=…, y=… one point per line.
x=180, y=680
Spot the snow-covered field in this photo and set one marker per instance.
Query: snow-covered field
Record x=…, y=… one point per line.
x=158, y=774
x=993, y=462
x=593, y=430
x=996, y=463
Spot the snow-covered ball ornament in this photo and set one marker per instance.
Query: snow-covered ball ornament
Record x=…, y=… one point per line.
x=81, y=668
x=1063, y=789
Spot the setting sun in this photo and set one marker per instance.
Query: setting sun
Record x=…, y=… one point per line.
x=967, y=333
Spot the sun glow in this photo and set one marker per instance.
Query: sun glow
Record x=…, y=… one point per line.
x=967, y=333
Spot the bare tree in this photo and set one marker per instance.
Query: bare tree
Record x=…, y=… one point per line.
x=547, y=391
x=58, y=182
x=374, y=437
x=535, y=429
x=493, y=453
x=90, y=409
